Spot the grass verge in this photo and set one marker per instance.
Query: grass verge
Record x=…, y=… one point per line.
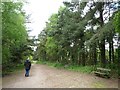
x=14, y=69
x=99, y=85
x=83, y=69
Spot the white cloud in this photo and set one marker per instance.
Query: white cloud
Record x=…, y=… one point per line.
x=40, y=11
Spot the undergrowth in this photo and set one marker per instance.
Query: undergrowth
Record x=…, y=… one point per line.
x=85, y=69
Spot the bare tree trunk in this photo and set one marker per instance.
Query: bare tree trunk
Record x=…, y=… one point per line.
x=102, y=43
x=112, y=47
x=83, y=58
x=119, y=56
x=95, y=55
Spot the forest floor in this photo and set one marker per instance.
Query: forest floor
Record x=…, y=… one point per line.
x=43, y=76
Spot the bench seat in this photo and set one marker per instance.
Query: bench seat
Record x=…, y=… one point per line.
x=103, y=72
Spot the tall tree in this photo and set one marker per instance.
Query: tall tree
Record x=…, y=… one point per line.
x=14, y=34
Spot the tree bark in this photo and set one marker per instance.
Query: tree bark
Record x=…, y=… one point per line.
x=112, y=47
x=95, y=55
x=102, y=44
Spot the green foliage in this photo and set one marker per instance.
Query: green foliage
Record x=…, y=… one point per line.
x=86, y=69
x=15, y=69
x=117, y=22
x=50, y=46
x=76, y=36
x=14, y=34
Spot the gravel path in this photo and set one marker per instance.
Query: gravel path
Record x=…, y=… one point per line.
x=42, y=76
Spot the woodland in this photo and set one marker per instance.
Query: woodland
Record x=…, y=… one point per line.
x=80, y=34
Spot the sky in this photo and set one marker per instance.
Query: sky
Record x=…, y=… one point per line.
x=40, y=11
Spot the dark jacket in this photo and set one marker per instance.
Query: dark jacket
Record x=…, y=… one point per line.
x=27, y=64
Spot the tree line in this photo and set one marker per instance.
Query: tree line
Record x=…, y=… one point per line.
x=82, y=33
x=14, y=35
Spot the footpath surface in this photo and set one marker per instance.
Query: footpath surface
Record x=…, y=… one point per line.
x=42, y=76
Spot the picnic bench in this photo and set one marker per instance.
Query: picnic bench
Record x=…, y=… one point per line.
x=103, y=72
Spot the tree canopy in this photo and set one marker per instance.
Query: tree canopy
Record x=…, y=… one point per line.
x=79, y=35
x=14, y=34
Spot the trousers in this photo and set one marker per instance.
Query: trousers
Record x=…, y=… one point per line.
x=27, y=72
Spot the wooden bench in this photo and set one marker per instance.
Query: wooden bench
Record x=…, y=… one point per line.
x=103, y=72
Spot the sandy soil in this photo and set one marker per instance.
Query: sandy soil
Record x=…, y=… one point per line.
x=42, y=76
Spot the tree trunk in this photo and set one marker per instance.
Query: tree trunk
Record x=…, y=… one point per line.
x=90, y=57
x=102, y=44
x=103, y=59
x=119, y=55
x=94, y=55
x=83, y=58
x=112, y=47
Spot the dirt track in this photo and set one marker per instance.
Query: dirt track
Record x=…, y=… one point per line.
x=42, y=76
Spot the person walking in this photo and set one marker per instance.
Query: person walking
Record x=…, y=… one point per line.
x=27, y=65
